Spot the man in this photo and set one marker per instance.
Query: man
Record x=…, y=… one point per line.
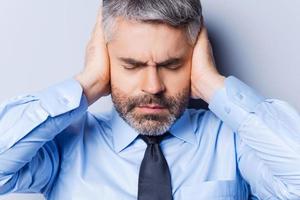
x=151, y=56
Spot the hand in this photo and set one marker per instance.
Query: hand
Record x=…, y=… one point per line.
x=205, y=79
x=95, y=78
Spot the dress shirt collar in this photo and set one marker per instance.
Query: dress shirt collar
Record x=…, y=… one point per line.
x=123, y=134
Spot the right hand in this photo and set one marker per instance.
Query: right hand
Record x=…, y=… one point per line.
x=95, y=77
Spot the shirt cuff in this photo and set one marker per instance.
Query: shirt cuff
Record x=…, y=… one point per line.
x=62, y=97
x=234, y=102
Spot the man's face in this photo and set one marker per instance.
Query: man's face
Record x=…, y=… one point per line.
x=150, y=74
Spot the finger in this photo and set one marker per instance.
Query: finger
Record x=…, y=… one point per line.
x=202, y=21
x=203, y=34
x=97, y=33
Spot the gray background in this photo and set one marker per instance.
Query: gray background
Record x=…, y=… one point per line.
x=42, y=42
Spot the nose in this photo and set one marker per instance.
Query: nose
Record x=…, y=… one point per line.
x=152, y=82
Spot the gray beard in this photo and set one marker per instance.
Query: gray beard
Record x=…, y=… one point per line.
x=150, y=124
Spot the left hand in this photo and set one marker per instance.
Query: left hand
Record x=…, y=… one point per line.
x=205, y=78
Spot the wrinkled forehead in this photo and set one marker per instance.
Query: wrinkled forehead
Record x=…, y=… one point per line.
x=148, y=40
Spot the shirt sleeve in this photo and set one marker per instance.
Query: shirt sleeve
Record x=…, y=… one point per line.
x=267, y=139
x=29, y=157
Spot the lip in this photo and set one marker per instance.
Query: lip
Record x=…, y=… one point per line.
x=152, y=106
x=154, y=109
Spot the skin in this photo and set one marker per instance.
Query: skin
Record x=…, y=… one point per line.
x=150, y=78
x=153, y=44
x=149, y=58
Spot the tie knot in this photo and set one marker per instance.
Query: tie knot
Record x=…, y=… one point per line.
x=153, y=139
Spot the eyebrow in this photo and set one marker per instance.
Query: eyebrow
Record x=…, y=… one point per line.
x=132, y=61
x=168, y=62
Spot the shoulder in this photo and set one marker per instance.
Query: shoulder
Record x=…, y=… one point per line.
x=204, y=121
x=203, y=118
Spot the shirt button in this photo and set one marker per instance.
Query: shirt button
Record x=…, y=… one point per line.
x=240, y=96
x=227, y=110
x=64, y=101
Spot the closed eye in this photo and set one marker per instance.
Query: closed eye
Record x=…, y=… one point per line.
x=130, y=66
x=129, y=63
x=172, y=63
x=172, y=67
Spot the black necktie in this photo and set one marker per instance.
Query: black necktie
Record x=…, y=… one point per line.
x=154, y=176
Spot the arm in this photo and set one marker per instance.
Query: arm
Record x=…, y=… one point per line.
x=267, y=130
x=267, y=139
x=29, y=158
x=29, y=155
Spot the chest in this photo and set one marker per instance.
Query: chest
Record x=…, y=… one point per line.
x=198, y=172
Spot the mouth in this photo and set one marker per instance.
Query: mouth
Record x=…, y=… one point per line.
x=151, y=108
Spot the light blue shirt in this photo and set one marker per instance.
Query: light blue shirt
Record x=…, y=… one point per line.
x=244, y=145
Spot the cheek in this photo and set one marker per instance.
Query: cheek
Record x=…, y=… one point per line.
x=178, y=80
x=120, y=79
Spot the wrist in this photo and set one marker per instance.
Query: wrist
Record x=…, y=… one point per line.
x=93, y=89
x=207, y=86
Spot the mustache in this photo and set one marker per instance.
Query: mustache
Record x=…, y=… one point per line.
x=160, y=100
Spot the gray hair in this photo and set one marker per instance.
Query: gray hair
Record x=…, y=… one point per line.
x=177, y=13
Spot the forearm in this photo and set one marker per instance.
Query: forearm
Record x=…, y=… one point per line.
x=206, y=86
x=270, y=139
x=268, y=142
x=27, y=123
x=93, y=88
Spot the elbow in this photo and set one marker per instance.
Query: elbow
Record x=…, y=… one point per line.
x=290, y=193
x=7, y=183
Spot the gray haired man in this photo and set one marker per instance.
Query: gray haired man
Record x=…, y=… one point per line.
x=151, y=56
